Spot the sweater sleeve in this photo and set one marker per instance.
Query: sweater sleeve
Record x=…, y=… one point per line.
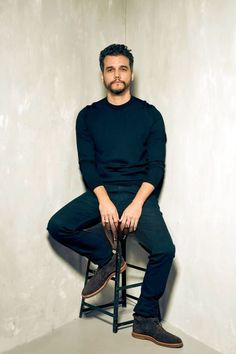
x=86, y=152
x=156, y=149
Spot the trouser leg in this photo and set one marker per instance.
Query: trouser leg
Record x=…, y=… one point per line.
x=154, y=237
x=72, y=226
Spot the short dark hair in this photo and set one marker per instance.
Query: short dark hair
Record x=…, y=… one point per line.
x=116, y=49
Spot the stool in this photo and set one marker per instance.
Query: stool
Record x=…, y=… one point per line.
x=120, y=291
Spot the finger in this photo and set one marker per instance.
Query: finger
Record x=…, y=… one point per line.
x=131, y=226
x=123, y=216
x=113, y=229
x=125, y=224
x=115, y=218
x=107, y=226
x=105, y=221
x=116, y=223
x=128, y=222
x=122, y=224
x=135, y=225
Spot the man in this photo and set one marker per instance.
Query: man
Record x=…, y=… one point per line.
x=121, y=147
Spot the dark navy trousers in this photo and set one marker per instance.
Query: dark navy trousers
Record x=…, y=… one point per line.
x=72, y=226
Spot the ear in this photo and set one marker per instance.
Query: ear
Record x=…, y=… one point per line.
x=102, y=78
x=132, y=77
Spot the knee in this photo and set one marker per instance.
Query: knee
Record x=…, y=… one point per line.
x=167, y=251
x=54, y=228
x=170, y=251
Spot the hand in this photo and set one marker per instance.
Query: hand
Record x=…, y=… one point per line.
x=108, y=211
x=130, y=216
x=109, y=214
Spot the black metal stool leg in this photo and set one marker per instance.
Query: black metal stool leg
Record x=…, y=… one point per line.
x=121, y=291
x=123, y=275
x=117, y=288
x=81, y=308
x=85, y=281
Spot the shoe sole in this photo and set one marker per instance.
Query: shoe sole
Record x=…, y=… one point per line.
x=122, y=269
x=145, y=337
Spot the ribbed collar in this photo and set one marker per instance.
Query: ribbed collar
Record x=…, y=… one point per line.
x=121, y=106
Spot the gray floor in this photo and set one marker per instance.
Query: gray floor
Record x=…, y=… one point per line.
x=93, y=335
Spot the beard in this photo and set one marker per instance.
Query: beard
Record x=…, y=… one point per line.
x=117, y=91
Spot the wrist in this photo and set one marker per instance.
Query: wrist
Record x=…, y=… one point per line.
x=138, y=201
x=103, y=199
x=101, y=194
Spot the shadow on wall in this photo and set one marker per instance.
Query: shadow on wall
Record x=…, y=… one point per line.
x=166, y=298
x=77, y=262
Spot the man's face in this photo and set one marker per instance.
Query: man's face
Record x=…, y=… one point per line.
x=117, y=75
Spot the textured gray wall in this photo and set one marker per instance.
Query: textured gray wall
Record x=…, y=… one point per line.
x=48, y=72
x=185, y=54
x=184, y=64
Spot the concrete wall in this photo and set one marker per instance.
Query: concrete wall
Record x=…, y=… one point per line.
x=185, y=65
x=49, y=71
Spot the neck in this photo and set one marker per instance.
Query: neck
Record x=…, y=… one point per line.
x=118, y=100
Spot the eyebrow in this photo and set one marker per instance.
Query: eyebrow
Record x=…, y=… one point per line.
x=121, y=66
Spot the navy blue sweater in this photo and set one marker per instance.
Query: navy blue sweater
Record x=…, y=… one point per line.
x=122, y=145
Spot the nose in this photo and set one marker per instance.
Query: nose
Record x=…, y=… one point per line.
x=116, y=74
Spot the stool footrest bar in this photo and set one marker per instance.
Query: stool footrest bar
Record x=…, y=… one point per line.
x=132, y=297
x=124, y=323
x=97, y=308
x=130, y=286
x=136, y=267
